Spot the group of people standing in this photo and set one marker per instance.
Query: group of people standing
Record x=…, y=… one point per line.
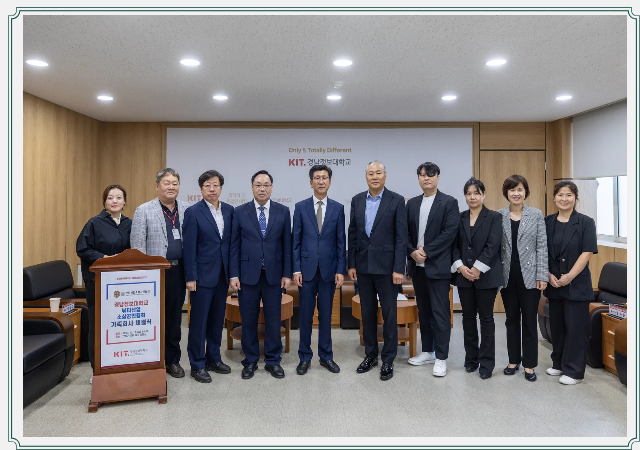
x=255, y=249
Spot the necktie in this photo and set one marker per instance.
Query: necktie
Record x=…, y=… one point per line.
x=262, y=219
x=319, y=216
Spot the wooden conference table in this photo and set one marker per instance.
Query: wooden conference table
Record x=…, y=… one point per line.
x=407, y=314
x=232, y=316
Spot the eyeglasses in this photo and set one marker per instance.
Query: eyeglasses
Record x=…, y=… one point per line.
x=320, y=178
x=425, y=175
x=211, y=186
x=260, y=186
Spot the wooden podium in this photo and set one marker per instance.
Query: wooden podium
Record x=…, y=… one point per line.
x=133, y=296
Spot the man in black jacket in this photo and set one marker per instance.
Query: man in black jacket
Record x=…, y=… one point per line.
x=432, y=220
x=377, y=254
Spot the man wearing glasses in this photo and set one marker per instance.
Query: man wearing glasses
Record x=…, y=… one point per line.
x=319, y=265
x=260, y=266
x=205, y=247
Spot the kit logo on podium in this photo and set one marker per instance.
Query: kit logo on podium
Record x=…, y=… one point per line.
x=130, y=318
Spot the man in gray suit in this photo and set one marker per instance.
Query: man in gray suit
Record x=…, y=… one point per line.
x=157, y=230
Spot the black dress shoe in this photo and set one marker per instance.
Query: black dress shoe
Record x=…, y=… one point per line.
x=484, y=376
x=330, y=365
x=175, y=370
x=248, y=371
x=386, y=371
x=470, y=369
x=201, y=376
x=276, y=371
x=303, y=367
x=367, y=364
x=530, y=376
x=511, y=370
x=218, y=367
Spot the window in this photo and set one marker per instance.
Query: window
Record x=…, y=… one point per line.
x=611, y=221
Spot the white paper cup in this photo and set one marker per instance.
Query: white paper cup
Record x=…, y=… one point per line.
x=54, y=303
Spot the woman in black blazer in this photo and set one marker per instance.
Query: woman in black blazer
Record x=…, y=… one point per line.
x=571, y=240
x=104, y=235
x=478, y=275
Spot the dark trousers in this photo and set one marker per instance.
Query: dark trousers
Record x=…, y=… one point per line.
x=434, y=313
x=207, y=317
x=249, y=298
x=370, y=286
x=570, y=332
x=518, y=300
x=479, y=302
x=325, y=291
x=90, y=286
x=174, y=295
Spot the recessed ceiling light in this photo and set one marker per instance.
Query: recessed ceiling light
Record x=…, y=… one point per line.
x=496, y=62
x=449, y=97
x=333, y=97
x=35, y=62
x=220, y=97
x=106, y=98
x=189, y=62
x=564, y=97
x=342, y=62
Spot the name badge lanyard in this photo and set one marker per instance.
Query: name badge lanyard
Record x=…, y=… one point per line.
x=176, y=233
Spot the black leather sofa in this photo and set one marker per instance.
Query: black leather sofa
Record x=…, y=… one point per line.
x=47, y=354
x=54, y=279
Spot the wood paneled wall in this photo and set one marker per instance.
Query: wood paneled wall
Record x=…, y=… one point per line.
x=131, y=155
x=512, y=136
x=59, y=151
x=85, y=155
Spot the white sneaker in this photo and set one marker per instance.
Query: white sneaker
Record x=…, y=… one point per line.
x=440, y=368
x=91, y=380
x=568, y=380
x=554, y=372
x=423, y=358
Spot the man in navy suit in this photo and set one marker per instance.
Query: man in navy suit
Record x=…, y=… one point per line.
x=433, y=219
x=205, y=246
x=319, y=265
x=260, y=267
x=377, y=259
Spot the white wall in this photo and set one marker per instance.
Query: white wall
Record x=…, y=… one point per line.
x=600, y=142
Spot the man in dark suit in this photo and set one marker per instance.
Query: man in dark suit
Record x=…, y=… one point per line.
x=433, y=220
x=260, y=267
x=205, y=246
x=319, y=265
x=377, y=258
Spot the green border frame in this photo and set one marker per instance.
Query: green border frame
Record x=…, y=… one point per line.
x=19, y=10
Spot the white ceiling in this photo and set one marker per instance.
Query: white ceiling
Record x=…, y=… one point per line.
x=279, y=68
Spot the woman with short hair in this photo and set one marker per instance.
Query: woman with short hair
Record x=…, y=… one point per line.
x=104, y=235
x=572, y=241
x=525, y=270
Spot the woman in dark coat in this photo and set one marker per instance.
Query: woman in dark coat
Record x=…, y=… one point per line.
x=572, y=241
x=478, y=275
x=104, y=235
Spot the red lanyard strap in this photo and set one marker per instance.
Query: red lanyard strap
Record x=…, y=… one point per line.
x=173, y=221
